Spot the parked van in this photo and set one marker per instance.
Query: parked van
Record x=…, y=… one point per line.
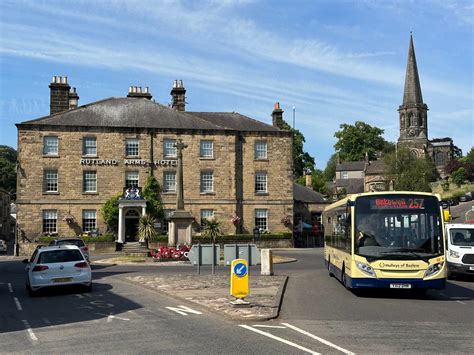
x=460, y=248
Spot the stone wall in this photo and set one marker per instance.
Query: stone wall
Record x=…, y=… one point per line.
x=70, y=199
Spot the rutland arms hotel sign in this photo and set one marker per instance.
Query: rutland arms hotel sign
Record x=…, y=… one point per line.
x=128, y=162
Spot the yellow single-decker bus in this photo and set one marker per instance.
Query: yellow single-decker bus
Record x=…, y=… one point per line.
x=390, y=239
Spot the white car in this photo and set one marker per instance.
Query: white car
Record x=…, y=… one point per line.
x=460, y=251
x=57, y=266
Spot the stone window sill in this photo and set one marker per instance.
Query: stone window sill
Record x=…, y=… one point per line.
x=90, y=156
x=169, y=192
x=261, y=193
x=208, y=193
x=50, y=192
x=51, y=156
x=262, y=159
x=90, y=193
x=207, y=158
x=132, y=157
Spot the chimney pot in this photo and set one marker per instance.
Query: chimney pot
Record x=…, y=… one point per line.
x=65, y=80
x=277, y=106
x=130, y=89
x=59, y=94
x=146, y=90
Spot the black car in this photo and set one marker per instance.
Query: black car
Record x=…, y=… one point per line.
x=453, y=201
x=465, y=198
x=72, y=241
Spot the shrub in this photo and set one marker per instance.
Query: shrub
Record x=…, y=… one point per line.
x=110, y=213
x=101, y=239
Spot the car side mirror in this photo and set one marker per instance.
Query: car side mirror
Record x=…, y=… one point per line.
x=25, y=261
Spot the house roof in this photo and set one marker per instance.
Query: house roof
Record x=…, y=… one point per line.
x=305, y=194
x=131, y=112
x=350, y=166
x=375, y=167
x=352, y=186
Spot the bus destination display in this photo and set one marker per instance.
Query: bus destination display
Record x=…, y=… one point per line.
x=397, y=203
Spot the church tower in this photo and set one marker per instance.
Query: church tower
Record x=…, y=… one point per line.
x=413, y=112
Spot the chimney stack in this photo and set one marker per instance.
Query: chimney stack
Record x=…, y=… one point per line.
x=277, y=116
x=309, y=180
x=73, y=99
x=59, y=95
x=137, y=91
x=178, y=98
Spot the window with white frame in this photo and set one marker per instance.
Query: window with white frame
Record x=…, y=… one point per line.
x=260, y=182
x=89, y=146
x=344, y=175
x=132, y=147
x=131, y=179
x=50, y=181
x=90, y=181
x=260, y=150
x=169, y=181
x=205, y=214
x=50, y=221
x=169, y=148
x=207, y=149
x=261, y=219
x=89, y=220
x=207, y=181
x=50, y=145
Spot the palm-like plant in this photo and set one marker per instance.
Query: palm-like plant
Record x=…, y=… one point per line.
x=146, y=228
x=212, y=228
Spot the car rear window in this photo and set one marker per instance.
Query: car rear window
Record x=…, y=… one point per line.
x=59, y=256
x=78, y=243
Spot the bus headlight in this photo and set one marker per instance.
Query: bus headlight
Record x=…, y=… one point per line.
x=454, y=254
x=433, y=269
x=366, y=269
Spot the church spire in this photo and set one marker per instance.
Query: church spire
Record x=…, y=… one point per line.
x=412, y=94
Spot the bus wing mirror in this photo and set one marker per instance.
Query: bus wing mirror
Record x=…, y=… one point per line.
x=446, y=216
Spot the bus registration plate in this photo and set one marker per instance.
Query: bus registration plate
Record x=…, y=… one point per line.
x=400, y=285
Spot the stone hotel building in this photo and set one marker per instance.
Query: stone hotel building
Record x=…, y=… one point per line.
x=72, y=161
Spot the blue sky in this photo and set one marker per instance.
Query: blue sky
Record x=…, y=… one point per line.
x=334, y=61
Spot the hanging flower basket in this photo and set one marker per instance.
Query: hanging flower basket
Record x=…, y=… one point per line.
x=69, y=219
x=235, y=220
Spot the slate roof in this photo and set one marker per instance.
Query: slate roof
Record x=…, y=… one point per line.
x=353, y=186
x=375, y=167
x=234, y=121
x=143, y=113
x=351, y=166
x=305, y=194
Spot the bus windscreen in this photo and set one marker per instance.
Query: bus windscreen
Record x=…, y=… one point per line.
x=398, y=227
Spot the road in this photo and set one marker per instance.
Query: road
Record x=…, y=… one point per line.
x=318, y=315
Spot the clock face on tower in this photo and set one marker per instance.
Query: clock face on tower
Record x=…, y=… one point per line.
x=411, y=132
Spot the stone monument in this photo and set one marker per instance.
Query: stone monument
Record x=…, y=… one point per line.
x=179, y=231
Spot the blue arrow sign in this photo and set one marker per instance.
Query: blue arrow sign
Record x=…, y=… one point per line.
x=240, y=270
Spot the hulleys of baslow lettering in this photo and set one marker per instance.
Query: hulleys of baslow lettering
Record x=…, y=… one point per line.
x=128, y=162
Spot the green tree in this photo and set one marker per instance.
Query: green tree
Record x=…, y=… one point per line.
x=354, y=141
x=211, y=228
x=330, y=170
x=110, y=213
x=459, y=176
x=408, y=172
x=151, y=193
x=146, y=228
x=469, y=158
x=8, y=159
x=318, y=181
x=302, y=161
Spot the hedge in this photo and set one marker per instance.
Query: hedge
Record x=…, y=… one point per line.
x=243, y=237
x=86, y=239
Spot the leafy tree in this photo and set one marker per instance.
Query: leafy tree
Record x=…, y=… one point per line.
x=110, y=213
x=8, y=159
x=318, y=181
x=354, y=141
x=459, y=176
x=146, y=228
x=302, y=161
x=408, y=172
x=470, y=156
x=151, y=192
x=211, y=228
x=330, y=170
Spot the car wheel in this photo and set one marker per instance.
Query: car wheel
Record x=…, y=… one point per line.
x=30, y=291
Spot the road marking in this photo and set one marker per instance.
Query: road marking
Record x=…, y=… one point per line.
x=18, y=305
x=460, y=302
x=46, y=321
x=87, y=295
x=29, y=330
x=328, y=343
x=182, y=310
x=278, y=338
x=110, y=317
x=78, y=296
x=268, y=326
x=101, y=304
x=10, y=288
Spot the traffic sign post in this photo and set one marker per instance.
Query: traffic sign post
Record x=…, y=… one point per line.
x=239, y=281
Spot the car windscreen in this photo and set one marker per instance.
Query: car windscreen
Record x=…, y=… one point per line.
x=76, y=242
x=462, y=237
x=395, y=226
x=59, y=256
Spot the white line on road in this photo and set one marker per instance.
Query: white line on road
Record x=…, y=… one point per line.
x=18, y=305
x=182, y=310
x=278, y=338
x=328, y=343
x=268, y=326
x=460, y=302
x=10, y=288
x=29, y=330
